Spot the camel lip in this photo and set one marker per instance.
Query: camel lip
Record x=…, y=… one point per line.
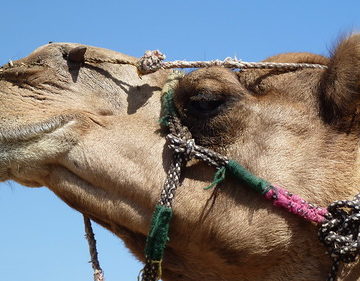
x=31, y=131
x=26, y=150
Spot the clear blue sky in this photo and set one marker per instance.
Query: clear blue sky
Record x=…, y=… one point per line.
x=41, y=238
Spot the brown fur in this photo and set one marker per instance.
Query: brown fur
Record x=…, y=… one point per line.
x=340, y=86
x=90, y=133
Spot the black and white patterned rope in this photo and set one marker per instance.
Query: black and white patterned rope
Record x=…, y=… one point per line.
x=184, y=148
x=192, y=150
x=172, y=182
x=340, y=233
x=174, y=173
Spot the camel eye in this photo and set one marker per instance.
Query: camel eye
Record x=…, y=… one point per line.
x=205, y=105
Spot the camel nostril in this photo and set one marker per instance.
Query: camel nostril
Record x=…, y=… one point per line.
x=77, y=55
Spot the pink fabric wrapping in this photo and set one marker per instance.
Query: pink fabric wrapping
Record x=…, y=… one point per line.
x=295, y=204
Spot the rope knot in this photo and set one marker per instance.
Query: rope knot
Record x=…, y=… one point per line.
x=341, y=231
x=150, y=62
x=186, y=147
x=190, y=150
x=230, y=62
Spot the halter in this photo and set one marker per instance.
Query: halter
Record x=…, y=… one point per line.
x=339, y=224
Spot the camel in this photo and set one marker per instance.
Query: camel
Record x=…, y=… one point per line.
x=89, y=130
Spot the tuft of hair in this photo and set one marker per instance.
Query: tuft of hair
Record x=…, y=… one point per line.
x=340, y=83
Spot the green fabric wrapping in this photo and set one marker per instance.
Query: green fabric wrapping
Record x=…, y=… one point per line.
x=168, y=107
x=245, y=176
x=158, y=234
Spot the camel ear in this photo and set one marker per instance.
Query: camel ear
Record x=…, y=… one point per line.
x=340, y=84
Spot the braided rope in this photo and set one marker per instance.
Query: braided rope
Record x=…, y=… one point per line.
x=153, y=61
x=172, y=181
x=152, y=268
x=296, y=205
x=173, y=178
x=108, y=60
x=191, y=150
x=340, y=233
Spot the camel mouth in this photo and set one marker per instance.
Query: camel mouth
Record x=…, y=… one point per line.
x=23, y=133
x=25, y=148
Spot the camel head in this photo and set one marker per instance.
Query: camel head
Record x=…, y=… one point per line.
x=89, y=130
